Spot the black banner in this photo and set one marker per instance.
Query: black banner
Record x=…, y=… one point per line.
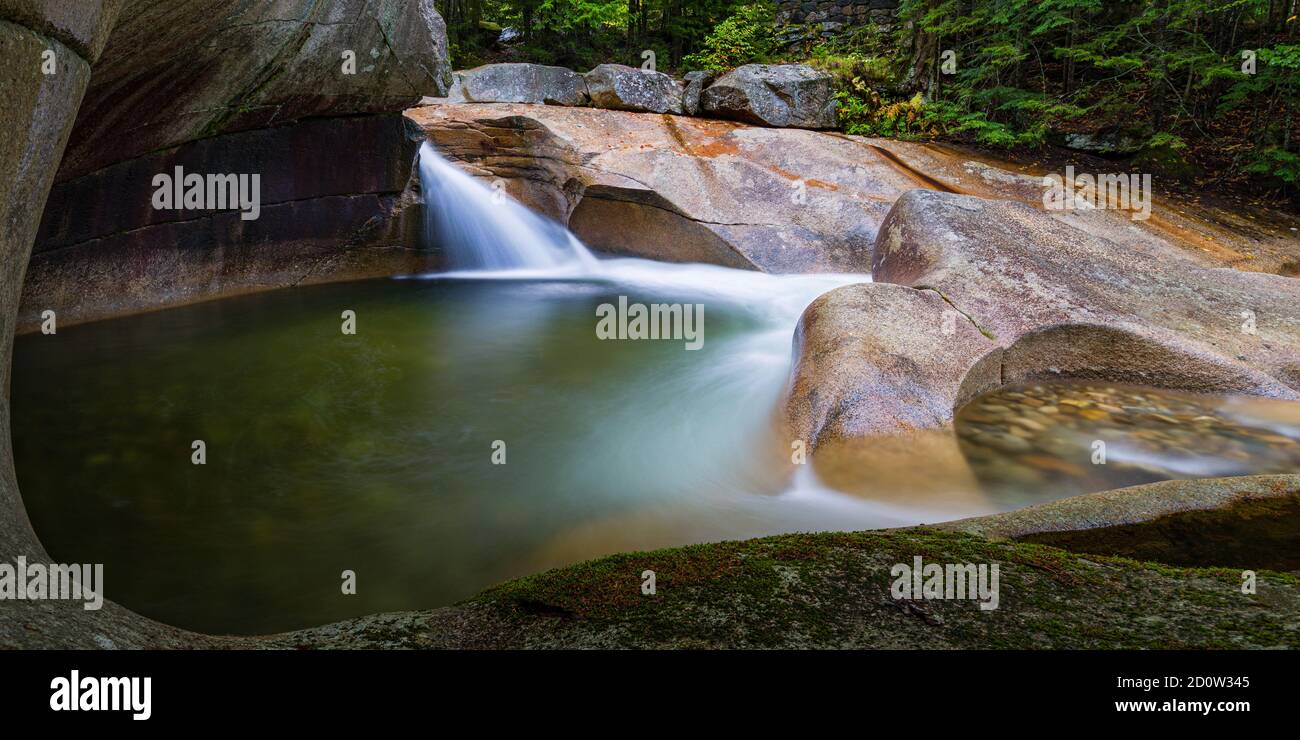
x=962, y=690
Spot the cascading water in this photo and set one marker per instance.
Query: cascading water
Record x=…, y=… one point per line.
x=483, y=229
x=488, y=236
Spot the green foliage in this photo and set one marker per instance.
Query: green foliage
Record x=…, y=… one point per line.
x=583, y=33
x=863, y=111
x=745, y=37
x=1169, y=72
x=1277, y=163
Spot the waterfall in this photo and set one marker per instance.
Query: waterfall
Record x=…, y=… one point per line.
x=483, y=229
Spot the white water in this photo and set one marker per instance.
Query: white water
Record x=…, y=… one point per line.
x=480, y=228
x=487, y=235
x=490, y=237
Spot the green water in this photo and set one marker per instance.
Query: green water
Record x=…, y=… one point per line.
x=373, y=452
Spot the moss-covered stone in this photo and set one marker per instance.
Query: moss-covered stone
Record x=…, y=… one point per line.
x=832, y=590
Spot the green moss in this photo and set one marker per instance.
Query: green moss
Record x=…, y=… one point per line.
x=833, y=590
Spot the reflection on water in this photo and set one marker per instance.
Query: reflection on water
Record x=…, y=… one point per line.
x=1024, y=440
x=372, y=452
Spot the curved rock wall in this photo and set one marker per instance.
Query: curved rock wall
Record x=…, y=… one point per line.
x=304, y=94
x=205, y=84
x=40, y=104
x=183, y=70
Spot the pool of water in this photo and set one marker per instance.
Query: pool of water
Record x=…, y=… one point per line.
x=374, y=452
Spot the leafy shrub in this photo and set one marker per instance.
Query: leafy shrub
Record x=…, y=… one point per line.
x=747, y=36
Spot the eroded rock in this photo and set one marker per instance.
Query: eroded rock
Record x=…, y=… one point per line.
x=681, y=189
x=104, y=250
x=880, y=360
x=1068, y=304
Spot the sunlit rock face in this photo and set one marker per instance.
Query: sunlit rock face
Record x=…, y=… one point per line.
x=681, y=189
x=1065, y=303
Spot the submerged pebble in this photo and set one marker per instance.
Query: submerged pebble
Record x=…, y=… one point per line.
x=1047, y=434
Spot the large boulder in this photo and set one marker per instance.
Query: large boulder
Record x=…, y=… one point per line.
x=617, y=87
x=876, y=359
x=878, y=372
x=206, y=67
x=986, y=293
x=520, y=83
x=695, y=83
x=1066, y=303
x=782, y=95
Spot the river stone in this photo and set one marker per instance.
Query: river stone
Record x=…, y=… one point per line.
x=520, y=83
x=1106, y=143
x=782, y=95
x=1064, y=303
x=206, y=67
x=618, y=87
x=695, y=84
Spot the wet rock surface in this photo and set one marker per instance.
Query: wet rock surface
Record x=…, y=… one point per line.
x=104, y=251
